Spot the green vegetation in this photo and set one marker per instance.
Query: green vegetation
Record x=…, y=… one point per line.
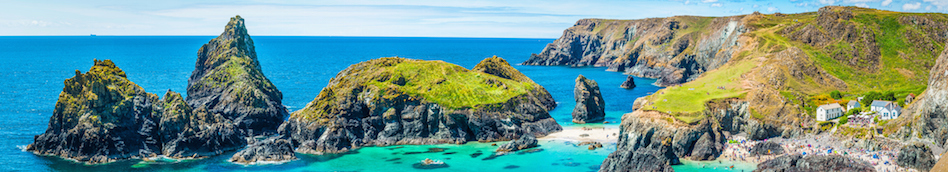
x=836, y=94
x=688, y=99
x=843, y=119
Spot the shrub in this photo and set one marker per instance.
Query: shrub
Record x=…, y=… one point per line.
x=836, y=94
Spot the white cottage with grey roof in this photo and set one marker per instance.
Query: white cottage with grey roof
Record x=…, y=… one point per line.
x=885, y=109
x=828, y=112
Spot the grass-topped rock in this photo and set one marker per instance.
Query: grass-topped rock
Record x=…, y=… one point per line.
x=394, y=100
x=101, y=117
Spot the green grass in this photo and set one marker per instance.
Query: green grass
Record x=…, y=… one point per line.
x=685, y=103
x=450, y=85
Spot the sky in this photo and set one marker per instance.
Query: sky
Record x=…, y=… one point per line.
x=399, y=18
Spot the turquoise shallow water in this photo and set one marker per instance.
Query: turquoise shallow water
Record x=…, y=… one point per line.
x=34, y=68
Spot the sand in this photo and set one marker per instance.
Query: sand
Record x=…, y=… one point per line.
x=602, y=134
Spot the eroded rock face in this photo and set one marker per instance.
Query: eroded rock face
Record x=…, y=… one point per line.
x=228, y=80
x=392, y=101
x=799, y=162
x=526, y=141
x=590, y=107
x=272, y=149
x=101, y=117
x=929, y=113
x=650, y=137
x=917, y=156
x=654, y=48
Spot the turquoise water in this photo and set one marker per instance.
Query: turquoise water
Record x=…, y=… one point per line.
x=714, y=166
x=34, y=68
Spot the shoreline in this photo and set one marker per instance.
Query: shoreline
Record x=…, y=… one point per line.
x=603, y=134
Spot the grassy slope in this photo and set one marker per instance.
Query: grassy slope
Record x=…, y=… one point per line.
x=450, y=85
x=900, y=74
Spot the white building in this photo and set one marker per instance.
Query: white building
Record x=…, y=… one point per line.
x=885, y=109
x=828, y=112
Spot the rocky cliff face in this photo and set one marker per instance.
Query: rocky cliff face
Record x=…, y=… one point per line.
x=272, y=149
x=391, y=101
x=102, y=117
x=649, y=136
x=929, y=114
x=798, y=162
x=590, y=107
x=917, y=156
x=228, y=81
x=673, y=50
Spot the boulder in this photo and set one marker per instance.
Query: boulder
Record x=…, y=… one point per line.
x=917, y=156
x=767, y=148
x=799, y=162
x=629, y=83
x=589, y=104
x=272, y=149
x=526, y=141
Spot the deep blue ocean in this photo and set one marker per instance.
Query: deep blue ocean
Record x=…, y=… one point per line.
x=33, y=68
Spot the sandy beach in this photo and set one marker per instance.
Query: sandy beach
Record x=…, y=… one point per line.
x=883, y=161
x=602, y=134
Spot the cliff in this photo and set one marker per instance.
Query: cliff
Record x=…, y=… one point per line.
x=798, y=162
x=674, y=50
x=927, y=118
x=391, y=101
x=101, y=117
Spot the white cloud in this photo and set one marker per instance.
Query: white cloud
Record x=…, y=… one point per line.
x=709, y=1
x=862, y=5
x=859, y=1
x=941, y=4
x=827, y=1
x=927, y=8
x=909, y=6
x=716, y=5
x=772, y=9
x=886, y=3
x=803, y=4
x=756, y=6
x=687, y=2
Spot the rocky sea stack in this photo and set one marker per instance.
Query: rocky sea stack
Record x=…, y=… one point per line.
x=101, y=117
x=390, y=101
x=629, y=83
x=589, y=104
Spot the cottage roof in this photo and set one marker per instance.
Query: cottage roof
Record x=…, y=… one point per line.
x=830, y=106
x=852, y=103
x=880, y=103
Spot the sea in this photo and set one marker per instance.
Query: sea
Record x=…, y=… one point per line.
x=32, y=70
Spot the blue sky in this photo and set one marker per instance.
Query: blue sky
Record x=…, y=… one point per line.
x=426, y=18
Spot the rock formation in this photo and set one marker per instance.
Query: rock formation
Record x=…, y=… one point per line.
x=767, y=148
x=917, y=156
x=272, y=149
x=799, y=162
x=668, y=49
x=629, y=83
x=589, y=104
x=391, y=101
x=526, y=141
x=101, y=117
x=231, y=98
x=929, y=113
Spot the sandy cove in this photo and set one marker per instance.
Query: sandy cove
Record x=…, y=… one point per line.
x=602, y=134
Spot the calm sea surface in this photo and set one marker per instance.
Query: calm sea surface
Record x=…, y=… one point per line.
x=33, y=69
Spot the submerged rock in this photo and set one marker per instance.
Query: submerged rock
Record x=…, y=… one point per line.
x=917, y=156
x=589, y=104
x=101, y=117
x=272, y=149
x=799, y=162
x=526, y=141
x=391, y=101
x=629, y=83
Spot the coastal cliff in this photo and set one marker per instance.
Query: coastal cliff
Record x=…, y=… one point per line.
x=101, y=117
x=674, y=50
x=390, y=101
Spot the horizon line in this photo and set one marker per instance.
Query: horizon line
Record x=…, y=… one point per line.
x=96, y=35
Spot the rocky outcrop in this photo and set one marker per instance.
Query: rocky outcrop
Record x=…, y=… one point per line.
x=589, y=104
x=648, y=136
x=767, y=148
x=272, y=150
x=101, y=117
x=799, y=162
x=927, y=117
x=669, y=49
x=390, y=101
x=230, y=97
x=526, y=141
x=917, y=156
x=629, y=83
x=832, y=25
x=227, y=80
